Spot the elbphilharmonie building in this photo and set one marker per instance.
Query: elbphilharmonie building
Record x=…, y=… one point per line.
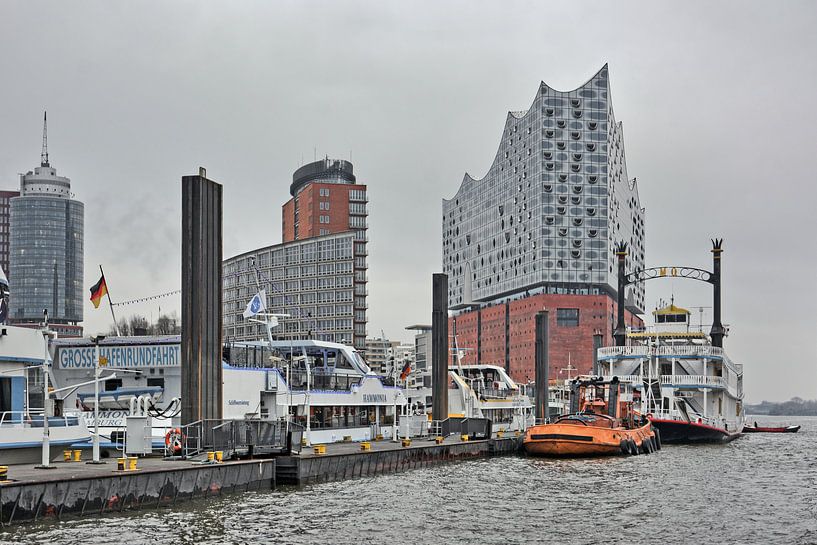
x=545, y=217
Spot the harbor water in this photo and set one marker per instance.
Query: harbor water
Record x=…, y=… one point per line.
x=761, y=488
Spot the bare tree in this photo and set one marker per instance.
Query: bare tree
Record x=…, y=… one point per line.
x=135, y=325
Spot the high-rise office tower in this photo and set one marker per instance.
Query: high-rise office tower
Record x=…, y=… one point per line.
x=46, y=250
x=538, y=230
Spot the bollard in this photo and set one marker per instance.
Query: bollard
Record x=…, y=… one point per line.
x=319, y=449
x=464, y=438
x=219, y=456
x=365, y=445
x=120, y=464
x=499, y=435
x=66, y=455
x=406, y=442
x=347, y=438
x=439, y=439
x=4, y=473
x=379, y=437
x=77, y=455
x=132, y=463
x=211, y=456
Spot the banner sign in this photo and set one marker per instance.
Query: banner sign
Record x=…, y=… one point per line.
x=143, y=356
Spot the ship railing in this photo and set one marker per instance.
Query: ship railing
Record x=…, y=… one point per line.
x=687, y=350
x=693, y=380
x=322, y=381
x=34, y=419
x=497, y=393
x=625, y=378
x=624, y=351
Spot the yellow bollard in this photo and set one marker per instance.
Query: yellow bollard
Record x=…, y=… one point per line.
x=365, y=445
x=464, y=437
x=499, y=435
x=66, y=455
x=132, y=463
x=406, y=442
x=219, y=456
x=439, y=439
x=4, y=473
x=77, y=455
x=319, y=449
x=120, y=464
x=211, y=456
x=379, y=437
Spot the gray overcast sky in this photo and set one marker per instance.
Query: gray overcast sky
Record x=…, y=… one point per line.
x=715, y=97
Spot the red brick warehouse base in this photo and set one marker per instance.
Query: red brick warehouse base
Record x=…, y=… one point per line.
x=504, y=334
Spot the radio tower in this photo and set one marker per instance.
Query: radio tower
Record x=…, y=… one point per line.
x=44, y=154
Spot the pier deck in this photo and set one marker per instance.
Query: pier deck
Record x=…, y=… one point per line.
x=80, y=488
x=347, y=461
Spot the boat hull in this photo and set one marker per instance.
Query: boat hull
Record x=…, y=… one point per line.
x=570, y=440
x=681, y=432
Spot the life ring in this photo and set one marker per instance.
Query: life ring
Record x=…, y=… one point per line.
x=173, y=441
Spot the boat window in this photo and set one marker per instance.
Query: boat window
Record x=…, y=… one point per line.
x=113, y=384
x=5, y=394
x=343, y=363
x=361, y=364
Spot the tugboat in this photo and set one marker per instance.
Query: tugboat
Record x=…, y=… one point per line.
x=604, y=424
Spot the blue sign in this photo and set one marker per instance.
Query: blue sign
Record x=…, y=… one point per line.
x=162, y=355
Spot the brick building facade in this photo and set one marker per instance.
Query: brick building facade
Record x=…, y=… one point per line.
x=504, y=333
x=5, y=222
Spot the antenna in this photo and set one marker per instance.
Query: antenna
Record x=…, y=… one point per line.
x=44, y=154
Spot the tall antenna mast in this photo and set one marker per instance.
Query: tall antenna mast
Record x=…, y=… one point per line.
x=44, y=154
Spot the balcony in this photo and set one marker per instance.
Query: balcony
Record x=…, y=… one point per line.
x=624, y=352
x=694, y=381
x=690, y=351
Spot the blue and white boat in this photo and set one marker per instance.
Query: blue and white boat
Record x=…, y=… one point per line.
x=24, y=368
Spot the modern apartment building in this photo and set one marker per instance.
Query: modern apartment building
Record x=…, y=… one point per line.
x=318, y=274
x=311, y=280
x=537, y=232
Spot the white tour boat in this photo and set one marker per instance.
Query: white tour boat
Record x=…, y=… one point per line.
x=325, y=388
x=691, y=391
x=487, y=391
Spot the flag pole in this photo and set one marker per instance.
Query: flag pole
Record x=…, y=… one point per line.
x=110, y=303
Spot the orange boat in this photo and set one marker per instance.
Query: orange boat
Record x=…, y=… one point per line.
x=601, y=426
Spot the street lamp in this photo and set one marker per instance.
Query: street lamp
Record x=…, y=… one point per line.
x=96, y=340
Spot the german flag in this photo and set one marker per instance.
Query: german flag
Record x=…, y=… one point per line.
x=98, y=291
x=406, y=371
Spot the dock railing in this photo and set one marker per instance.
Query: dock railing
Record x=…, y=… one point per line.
x=235, y=437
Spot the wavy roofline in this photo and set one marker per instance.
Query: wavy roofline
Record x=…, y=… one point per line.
x=513, y=115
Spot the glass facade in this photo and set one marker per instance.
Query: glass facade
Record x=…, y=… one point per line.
x=46, y=256
x=551, y=207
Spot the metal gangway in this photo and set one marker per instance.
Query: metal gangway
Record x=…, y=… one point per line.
x=240, y=438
